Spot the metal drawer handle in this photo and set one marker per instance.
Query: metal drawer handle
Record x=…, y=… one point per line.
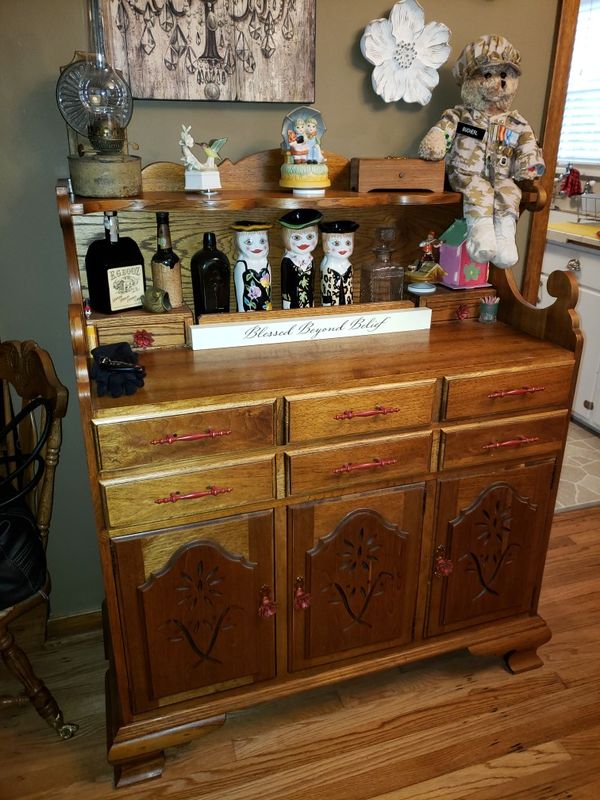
x=170, y=438
x=377, y=462
x=515, y=392
x=373, y=412
x=574, y=264
x=212, y=491
x=512, y=442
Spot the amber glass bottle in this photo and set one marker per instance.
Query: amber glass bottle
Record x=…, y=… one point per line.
x=166, y=266
x=210, y=278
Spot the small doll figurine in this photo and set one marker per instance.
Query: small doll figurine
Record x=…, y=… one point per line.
x=427, y=246
x=300, y=237
x=252, y=273
x=336, y=269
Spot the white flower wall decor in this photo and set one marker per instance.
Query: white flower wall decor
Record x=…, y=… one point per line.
x=406, y=53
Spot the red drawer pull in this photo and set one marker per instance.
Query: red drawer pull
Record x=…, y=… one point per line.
x=515, y=392
x=175, y=497
x=302, y=599
x=267, y=607
x=377, y=462
x=512, y=442
x=373, y=412
x=170, y=438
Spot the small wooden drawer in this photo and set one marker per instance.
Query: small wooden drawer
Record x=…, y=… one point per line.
x=506, y=439
x=387, y=408
x=147, y=501
x=380, y=459
x=160, y=439
x=506, y=392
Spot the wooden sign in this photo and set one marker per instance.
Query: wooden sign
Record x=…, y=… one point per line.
x=248, y=50
x=305, y=325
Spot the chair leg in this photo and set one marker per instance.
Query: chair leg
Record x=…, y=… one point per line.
x=44, y=703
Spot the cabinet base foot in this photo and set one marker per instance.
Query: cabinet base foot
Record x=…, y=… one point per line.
x=519, y=651
x=139, y=769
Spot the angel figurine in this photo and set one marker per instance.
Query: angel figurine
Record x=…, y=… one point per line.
x=200, y=175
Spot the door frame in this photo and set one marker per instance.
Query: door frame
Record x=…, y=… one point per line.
x=564, y=38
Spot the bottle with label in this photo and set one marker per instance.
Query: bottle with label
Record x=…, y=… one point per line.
x=166, y=266
x=115, y=270
x=210, y=278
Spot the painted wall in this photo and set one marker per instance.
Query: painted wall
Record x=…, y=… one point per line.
x=38, y=36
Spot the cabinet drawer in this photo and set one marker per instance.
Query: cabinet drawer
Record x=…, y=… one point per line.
x=517, y=391
x=381, y=459
x=520, y=437
x=176, y=437
x=156, y=500
x=386, y=408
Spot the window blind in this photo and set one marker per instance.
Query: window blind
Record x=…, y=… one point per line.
x=580, y=134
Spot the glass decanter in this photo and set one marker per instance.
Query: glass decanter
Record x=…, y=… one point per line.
x=382, y=280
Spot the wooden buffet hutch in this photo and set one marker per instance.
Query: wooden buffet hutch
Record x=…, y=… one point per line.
x=389, y=497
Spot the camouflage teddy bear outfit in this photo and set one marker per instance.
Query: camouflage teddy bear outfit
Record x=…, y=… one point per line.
x=486, y=154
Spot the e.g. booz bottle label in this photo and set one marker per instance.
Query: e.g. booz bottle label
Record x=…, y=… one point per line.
x=125, y=286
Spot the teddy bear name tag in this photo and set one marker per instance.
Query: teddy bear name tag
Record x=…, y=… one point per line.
x=470, y=130
x=305, y=325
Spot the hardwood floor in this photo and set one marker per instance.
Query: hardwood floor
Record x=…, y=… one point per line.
x=454, y=727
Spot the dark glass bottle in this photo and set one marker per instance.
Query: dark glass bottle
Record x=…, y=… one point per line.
x=210, y=278
x=166, y=266
x=115, y=270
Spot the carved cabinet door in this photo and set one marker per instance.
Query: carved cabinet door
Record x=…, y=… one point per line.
x=354, y=574
x=197, y=607
x=490, y=546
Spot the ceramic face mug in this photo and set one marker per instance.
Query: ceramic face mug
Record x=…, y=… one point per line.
x=252, y=273
x=336, y=269
x=300, y=235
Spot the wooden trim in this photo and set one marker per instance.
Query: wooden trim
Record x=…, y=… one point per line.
x=61, y=627
x=563, y=50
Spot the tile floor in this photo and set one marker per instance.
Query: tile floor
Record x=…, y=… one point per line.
x=580, y=477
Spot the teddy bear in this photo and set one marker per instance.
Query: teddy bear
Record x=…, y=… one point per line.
x=487, y=147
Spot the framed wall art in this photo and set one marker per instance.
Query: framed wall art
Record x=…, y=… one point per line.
x=244, y=50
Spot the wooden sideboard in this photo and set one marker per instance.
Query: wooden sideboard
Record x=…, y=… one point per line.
x=277, y=518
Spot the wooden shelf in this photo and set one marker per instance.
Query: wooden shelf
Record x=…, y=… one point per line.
x=229, y=200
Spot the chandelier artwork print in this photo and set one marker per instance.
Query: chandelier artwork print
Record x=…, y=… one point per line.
x=247, y=50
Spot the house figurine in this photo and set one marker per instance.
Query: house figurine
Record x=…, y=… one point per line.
x=461, y=271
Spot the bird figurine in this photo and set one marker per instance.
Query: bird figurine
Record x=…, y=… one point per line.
x=200, y=175
x=211, y=150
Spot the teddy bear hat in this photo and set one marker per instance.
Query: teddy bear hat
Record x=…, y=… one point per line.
x=485, y=52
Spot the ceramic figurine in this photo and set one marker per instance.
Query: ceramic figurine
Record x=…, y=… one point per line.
x=156, y=300
x=336, y=269
x=300, y=237
x=305, y=167
x=202, y=176
x=252, y=273
x=427, y=246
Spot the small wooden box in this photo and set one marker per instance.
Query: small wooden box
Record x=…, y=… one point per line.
x=392, y=174
x=140, y=329
x=453, y=304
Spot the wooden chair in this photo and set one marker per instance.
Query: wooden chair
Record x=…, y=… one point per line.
x=33, y=403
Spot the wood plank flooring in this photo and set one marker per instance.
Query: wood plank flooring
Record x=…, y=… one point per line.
x=450, y=728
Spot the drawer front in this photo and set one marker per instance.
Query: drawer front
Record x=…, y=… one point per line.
x=156, y=500
x=381, y=459
x=176, y=437
x=517, y=438
x=507, y=392
x=351, y=413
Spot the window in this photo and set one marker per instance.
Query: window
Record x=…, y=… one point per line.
x=580, y=135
